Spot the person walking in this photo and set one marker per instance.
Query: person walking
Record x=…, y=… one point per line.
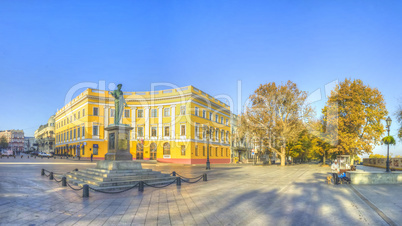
x=92, y=155
x=335, y=171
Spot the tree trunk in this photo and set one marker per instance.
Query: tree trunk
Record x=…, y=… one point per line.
x=283, y=156
x=283, y=159
x=269, y=159
x=323, y=159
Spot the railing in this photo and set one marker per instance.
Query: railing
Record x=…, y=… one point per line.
x=86, y=188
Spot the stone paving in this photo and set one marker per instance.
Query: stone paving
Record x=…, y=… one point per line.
x=233, y=195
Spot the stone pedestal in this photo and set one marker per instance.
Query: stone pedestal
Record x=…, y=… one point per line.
x=118, y=165
x=119, y=143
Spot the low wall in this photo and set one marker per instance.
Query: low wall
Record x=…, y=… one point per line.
x=358, y=177
x=394, y=163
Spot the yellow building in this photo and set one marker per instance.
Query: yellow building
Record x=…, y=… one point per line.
x=169, y=125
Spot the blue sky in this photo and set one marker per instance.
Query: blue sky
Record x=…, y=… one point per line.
x=48, y=47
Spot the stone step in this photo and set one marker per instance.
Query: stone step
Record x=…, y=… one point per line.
x=85, y=180
x=104, y=174
x=117, y=171
x=122, y=187
x=79, y=180
x=120, y=183
x=76, y=180
x=120, y=177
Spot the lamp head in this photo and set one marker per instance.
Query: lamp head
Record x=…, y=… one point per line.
x=389, y=121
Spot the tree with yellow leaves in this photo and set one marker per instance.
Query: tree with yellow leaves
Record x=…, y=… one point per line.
x=278, y=113
x=399, y=118
x=359, y=111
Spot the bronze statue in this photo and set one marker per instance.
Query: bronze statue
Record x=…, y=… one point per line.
x=119, y=104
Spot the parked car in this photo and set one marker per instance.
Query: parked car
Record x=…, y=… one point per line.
x=7, y=153
x=44, y=154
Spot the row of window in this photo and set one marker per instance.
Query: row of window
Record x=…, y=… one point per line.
x=212, y=131
x=211, y=151
x=73, y=134
x=166, y=129
x=140, y=114
x=70, y=119
x=204, y=115
x=166, y=150
x=112, y=111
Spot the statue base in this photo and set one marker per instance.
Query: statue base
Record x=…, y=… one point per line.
x=119, y=143
x=118, y=165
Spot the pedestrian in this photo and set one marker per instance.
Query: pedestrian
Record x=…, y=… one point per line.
x=335, y=171
x=92, y=155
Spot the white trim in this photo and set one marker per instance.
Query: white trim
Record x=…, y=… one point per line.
x=71, y=112
x=64, y=143
x=142, y=105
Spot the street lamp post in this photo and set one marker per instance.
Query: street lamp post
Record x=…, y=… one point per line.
x=207, y=132
x=389, y=120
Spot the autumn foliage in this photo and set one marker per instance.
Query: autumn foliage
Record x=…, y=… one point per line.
x=279, y=118
x=277, y=112
x=360, y=111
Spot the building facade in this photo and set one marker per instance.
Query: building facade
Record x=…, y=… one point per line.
x=240, y=145
x=168, y=125
x=15, y=139
x=44, y=136
x=29, y=144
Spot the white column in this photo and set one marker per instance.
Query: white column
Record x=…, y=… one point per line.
x=173, y=121
x=147, y=123
x=160, y=108
x=133, y=121
x=105, y=124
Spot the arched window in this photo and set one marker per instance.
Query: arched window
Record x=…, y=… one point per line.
x=166, y=148
x=153, y=149
x=140, y=151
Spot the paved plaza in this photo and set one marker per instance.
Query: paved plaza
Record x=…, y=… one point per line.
x=233, y=195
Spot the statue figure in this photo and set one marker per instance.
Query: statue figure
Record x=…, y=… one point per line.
x=119, y=104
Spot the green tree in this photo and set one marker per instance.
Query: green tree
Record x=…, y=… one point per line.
x=357, y=159
x=278, y=112
x=399, y=119
x=3, y=142
x=359, y=111
x=388, y=140
x=300, y=148
x=321, y=139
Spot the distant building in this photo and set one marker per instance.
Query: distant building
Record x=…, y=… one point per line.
x=243, y=144
x=28, y=144
x=15, y=139
x=240, y=148
x=44, y=136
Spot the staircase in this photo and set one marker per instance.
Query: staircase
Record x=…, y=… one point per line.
x=109, y=180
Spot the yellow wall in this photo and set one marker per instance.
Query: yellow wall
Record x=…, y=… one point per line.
x=185, y=96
